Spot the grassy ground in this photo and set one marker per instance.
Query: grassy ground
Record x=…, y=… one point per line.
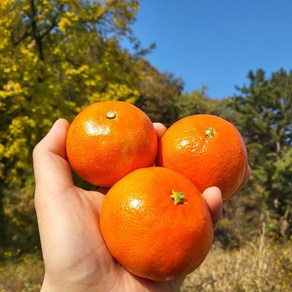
x=257, y=266
x=21, y=273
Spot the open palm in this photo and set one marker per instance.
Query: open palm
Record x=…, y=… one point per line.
x=75, y=255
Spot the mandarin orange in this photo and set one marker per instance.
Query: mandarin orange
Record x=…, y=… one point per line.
x=206, y=149
x=156, y=224
x=109, y=139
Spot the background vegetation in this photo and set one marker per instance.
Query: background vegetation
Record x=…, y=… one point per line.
x=57, y=56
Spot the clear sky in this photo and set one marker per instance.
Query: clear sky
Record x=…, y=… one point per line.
x=216, y=42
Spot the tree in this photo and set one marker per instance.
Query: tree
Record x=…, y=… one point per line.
x=56, y=56
x=196, y=102
x=157, y=92
x=265, y=119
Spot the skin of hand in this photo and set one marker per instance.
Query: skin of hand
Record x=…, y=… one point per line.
x=75, y=255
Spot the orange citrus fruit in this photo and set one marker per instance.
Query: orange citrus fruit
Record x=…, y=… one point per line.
x=109, y=139
x=206, y=149
x=156, y=224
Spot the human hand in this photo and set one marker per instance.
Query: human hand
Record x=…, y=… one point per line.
x=75, y=255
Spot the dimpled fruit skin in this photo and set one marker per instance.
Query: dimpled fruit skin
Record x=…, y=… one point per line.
x=206, y=149
x=109, y=139
x=147, y=233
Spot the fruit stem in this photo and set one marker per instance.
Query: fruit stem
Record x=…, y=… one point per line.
x=110, y=115
x=210, y=133
x=178, y=197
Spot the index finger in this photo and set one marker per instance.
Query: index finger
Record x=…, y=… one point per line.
x=160, y=129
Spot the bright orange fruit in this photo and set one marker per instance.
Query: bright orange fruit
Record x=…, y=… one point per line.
x=156, y=224
x=109, y=139
x=206, y=149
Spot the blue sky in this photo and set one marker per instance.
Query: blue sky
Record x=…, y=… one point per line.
x=216, y=42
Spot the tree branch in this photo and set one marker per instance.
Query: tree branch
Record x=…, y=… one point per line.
x=54, y=22
x=23, y=37
x=35, y=31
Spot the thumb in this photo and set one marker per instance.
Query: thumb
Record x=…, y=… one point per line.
x=49, y=159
